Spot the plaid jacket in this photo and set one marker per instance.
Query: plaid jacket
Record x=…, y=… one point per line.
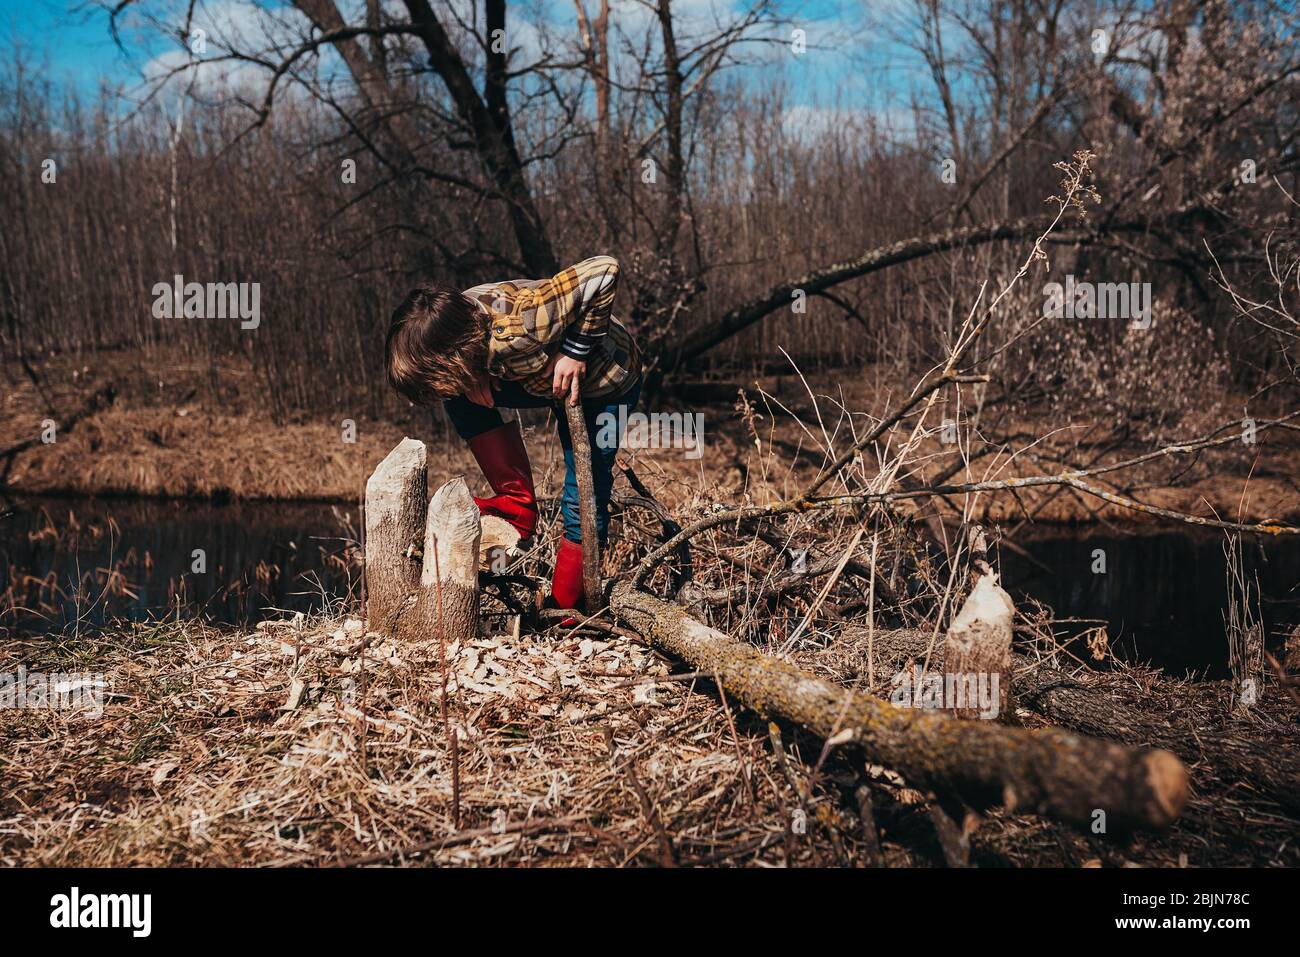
x=533, y=319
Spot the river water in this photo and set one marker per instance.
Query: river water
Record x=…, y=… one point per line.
x=1162, y=595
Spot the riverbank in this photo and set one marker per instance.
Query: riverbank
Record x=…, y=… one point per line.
x=171, y=442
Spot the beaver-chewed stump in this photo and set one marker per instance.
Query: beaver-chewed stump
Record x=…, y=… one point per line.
x=422, y=560
x=1057, y=773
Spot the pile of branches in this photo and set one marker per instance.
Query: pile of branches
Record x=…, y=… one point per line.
x=779, y=568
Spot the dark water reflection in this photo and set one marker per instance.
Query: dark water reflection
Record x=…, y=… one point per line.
x=1162, y=595
x=63, y=559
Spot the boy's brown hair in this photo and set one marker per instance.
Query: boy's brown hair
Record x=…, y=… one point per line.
x=437, y=344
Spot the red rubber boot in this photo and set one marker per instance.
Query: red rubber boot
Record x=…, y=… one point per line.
x=566, y=584
x=501, y=455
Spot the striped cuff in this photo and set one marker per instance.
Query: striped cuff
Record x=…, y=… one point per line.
x=576, y=345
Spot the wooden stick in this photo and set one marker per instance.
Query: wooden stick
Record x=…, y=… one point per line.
x=952, y=838
x=586, y=504
x=870, y=836
x=465, y=837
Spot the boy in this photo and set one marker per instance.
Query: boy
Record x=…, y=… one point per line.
x=522, y=344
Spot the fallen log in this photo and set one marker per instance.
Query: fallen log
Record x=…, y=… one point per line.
x=1049, y=772
x=1263, y=767
x=1079, y=705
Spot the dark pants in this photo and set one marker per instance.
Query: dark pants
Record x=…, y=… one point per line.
x=602, y=416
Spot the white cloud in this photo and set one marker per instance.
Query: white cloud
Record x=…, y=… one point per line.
x=205, y=64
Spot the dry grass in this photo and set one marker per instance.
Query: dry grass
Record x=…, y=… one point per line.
x=197, y=760
x=300, y=743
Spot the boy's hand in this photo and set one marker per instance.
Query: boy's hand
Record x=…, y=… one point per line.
x=480, y=390
x=567, y=374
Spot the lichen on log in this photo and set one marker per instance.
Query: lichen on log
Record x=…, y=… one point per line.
x=1056, y=773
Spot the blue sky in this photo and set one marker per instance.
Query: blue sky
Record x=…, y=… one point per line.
x=74, y=42
x=852, y=63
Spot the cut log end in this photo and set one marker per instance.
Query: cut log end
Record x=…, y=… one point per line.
x=1169, y=782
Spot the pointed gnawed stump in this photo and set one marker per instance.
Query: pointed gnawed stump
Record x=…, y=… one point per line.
x=422, y=557
x=395, y=511
x=449, y=580
x=978, y=652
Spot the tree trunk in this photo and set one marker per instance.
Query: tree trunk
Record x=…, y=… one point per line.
x=493, y=139
x=1050, y=772
x=395, y=512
